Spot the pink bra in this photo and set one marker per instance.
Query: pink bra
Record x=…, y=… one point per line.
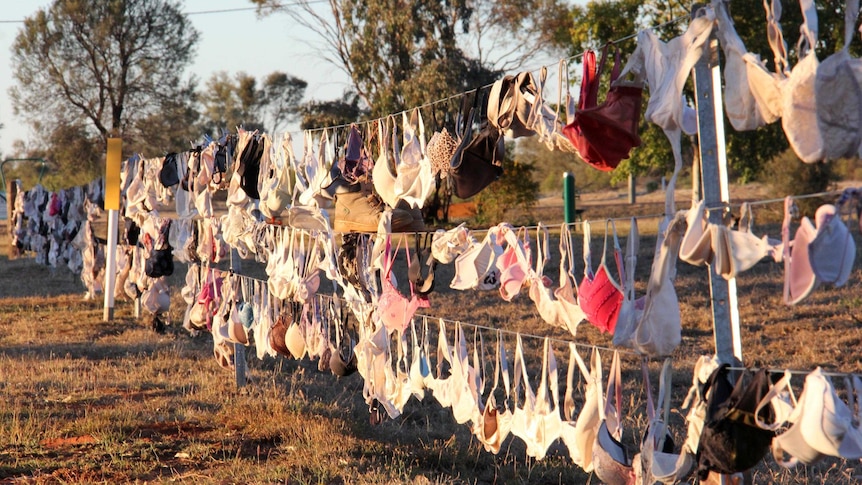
x=396, y=311
x=599, y=296
x=514, y=263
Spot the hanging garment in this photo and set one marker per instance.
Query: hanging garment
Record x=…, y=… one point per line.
x=568, y=425
x=832, y=252
x=799, y=109
x=276, y=181
x=799, y=277
x=611, y=460
x=476, y=267
x=415, y=182
x=740, y=105
x=496, y=421
x=374, y=362
x=540, y=291
x=657, y=461
x=534, y=420
x=383, y=178
x=765, y=85
x=617, y=118
x=448, y=245
x=667, y=67
x=569, y=312
x=731, y=441
x=822, y=424
x=735, y=250
x=442, y=384
x=465, y=403
x=599, y=295
x=396, y=310
x=838, y=95
x=514, y=262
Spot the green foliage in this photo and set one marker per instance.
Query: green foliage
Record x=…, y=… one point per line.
x=549, y=166
x=788, y=175
x=231, y=102
x=515, y=189
x=320, y=114
x=101, y=65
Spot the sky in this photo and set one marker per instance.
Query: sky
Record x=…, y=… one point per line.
x=231, y=41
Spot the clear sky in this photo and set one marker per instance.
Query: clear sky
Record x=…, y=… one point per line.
x=232, y=41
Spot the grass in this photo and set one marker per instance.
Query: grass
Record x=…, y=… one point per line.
x=87, y=401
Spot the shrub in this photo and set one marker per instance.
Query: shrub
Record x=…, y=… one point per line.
x=516, y=189
x=787, y=175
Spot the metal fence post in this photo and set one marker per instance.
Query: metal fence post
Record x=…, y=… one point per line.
x=713, y=162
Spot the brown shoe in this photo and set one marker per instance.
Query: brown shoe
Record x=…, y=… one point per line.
x=360, y=212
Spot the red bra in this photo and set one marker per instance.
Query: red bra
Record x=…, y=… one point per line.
x=599, y=296
x=604, y=134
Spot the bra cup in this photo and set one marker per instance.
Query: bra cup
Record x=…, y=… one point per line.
x=587, y=424
x=568, y=309
x=659, y=327
x=799, y=274
x=746, y=250
x=512, y=274
x=600, y=298
x=465, y=270
x=832, y=252
x=598, y=294
x=476, y=267
x=415, y=179
x=696, y=247
x=448, y=245
x=382, y=176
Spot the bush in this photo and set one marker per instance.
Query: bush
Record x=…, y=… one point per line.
x=787, y=175
x=516, y=189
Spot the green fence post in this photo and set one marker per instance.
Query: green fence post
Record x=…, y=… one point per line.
x=569, y=197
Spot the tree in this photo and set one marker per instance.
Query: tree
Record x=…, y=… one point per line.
x=232, y=102
x=748, y=153
x=100, y=65
x=404, y=53
x=320, y=114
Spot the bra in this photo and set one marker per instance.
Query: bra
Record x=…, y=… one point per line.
x=833, y=251
x=528, y=419
x=658, y=462
x=611, y=461
x=415, y=180
x=514, y=262
x=382, y=177
x=395, y=310
x=476, y=267
x=442, y=387
x=799, y=277
x=589, y=419
x=739, y=102
x=540, y=285
x=569, y=313
x=420, y=369
x=496, y=421
x=448, y=245
x=658, y=328
x=598, y=294
x=374, y=363
x=465, y=405
x=799, y=110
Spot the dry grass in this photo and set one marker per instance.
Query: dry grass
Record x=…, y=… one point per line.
x=85, y=401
